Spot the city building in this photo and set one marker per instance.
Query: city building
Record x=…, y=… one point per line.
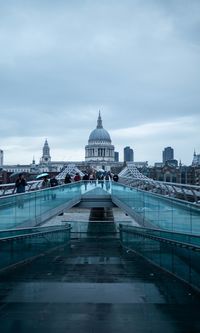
x=116, y=156
x=196, y=159
x=172, y=162
x=128, y=154
x=168, y=154
x=1, y=158
x=166, y=173
x=100, y=154
x=99, y=149
x=46, y=158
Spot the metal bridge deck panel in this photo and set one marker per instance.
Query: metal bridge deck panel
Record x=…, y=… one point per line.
x=95, y=287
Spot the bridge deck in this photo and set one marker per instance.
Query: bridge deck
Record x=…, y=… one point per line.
x=95, y=287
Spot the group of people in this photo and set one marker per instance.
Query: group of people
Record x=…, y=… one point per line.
x=46, y=183
x=20, y=184
x=20, y=187
x=93, y=178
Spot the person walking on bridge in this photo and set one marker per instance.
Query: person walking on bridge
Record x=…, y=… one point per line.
x=53, y=183
x=20, y=186
x=77, y=177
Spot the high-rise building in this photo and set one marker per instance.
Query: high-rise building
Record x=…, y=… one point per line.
x=128, y=154
x=168, y=154
x=116, y=155
x=1, y=158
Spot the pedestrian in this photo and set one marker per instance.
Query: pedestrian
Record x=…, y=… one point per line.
x=53, y=183
x=85, y=179
x=107, y=181
x=92, y=178
x=20, y=186
x=77, y=177
x=45, y=185
x=115, y=178
x=67, y=179
x=101, y=179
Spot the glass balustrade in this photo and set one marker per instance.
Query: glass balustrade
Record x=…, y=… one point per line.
x=158, y=211
x=19, y=245
x=92, y=229
x=176, y=256
x=30, y=208
x=27, y=209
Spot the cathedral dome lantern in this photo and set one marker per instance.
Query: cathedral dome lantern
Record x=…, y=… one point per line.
x=99, y=146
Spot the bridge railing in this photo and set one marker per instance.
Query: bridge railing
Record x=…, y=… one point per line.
x=177, y=253
x=157, y=211
x=32, y=208
x=8, y=189
x=19, y=245
x=186, y=192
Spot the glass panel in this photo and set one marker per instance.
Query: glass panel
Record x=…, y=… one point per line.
x=156, y=210
x=31, y=242
x=183, y=261
x=28, y=208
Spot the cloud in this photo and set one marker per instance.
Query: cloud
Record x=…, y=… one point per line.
x=138, y=61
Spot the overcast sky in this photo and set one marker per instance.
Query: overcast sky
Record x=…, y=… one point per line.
x=138, y=61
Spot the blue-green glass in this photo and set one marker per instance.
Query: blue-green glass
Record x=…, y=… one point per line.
x=183, y=261
x=19, y=245
x=163, y=212
x=26, y=209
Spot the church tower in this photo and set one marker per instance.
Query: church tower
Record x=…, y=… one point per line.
x=46, y=158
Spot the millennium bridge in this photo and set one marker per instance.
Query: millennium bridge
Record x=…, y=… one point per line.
x=99, y=275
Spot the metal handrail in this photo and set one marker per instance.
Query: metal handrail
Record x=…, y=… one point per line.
x=133, y=230
x=39, y=233
x=164, y=188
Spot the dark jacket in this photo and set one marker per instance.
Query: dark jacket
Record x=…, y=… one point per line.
x=115, y=178
x=67, y=179
x=85, y=177
x=20, y=185
x=53, y=182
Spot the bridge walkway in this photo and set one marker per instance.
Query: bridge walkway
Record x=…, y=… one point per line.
x=95, y=286
x=148, y=209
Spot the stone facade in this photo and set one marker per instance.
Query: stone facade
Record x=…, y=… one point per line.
x=99, y=148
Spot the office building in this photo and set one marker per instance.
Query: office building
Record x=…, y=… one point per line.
x=1, y=158
x=116, y=156
x=128, y=154
x=168, y=154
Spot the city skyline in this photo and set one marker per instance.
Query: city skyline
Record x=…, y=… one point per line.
x=121, y=155
x=136, y=61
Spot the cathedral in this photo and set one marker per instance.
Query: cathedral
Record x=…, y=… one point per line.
x=99, y=153
x=99, y=148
